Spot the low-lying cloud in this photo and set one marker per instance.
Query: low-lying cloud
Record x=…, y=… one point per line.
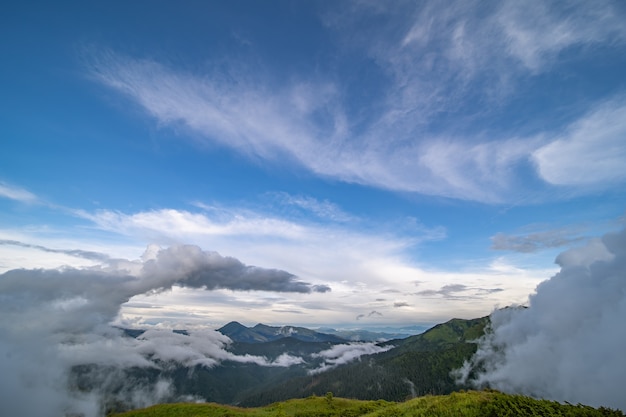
x=568, y=345
x=55, y=320
x=342, y=354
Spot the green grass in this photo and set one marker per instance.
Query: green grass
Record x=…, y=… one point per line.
x=464, y=404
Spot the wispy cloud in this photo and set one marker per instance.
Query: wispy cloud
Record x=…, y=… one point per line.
x=252, y=233
x=16, y=193
x=459, y=292
x=268, y=125
x=178, y=223
x=435, y=63
x=590, y=152
x=321, y=209
x=533, y=242
x=536, y=32
x=447, y=291
x=247, y=115
x=93, y=256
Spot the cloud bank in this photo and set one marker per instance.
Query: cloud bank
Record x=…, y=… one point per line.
x=52, y=321
x=568, y=345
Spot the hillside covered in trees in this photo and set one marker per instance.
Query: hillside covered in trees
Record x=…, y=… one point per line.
x=417, y=365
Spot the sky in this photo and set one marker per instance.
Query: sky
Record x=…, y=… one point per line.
x=347, y=164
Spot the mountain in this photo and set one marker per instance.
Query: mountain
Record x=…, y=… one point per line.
x=417, y=365
x=262, y=333
x=443, y=336
x=403, y=368
x=237, y=332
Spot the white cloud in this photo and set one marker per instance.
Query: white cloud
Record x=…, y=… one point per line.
x=357, y=265
x=54, y=319
x=181, y=224
x=321, y=209
x=567, y=345
x=286, y=360
x=342, y=354
x=457, y=54
x=16, y=193
x=441, y=60
x=254, y=118
x=536, y=32
x=262, y=122
x=591, y=152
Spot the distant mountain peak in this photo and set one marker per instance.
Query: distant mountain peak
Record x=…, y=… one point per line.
x=232, y=325
x=263, y=333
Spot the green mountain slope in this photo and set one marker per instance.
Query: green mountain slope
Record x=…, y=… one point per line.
x=467, y=404
x=445, y=335
x=418, y=365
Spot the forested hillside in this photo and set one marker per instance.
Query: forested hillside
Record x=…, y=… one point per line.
x=418, y=365
x=290, y=367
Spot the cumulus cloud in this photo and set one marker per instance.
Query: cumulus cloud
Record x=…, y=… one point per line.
x=53, y=321
x=342, y=354
x=568, y=345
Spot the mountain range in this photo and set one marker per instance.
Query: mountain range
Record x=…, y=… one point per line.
x=393, y=370
x=262, y=333
x=414, y=366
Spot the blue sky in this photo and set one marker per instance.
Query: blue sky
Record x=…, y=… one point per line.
x=422, y=161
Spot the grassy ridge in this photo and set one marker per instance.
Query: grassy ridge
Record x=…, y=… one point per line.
x=467, y=404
